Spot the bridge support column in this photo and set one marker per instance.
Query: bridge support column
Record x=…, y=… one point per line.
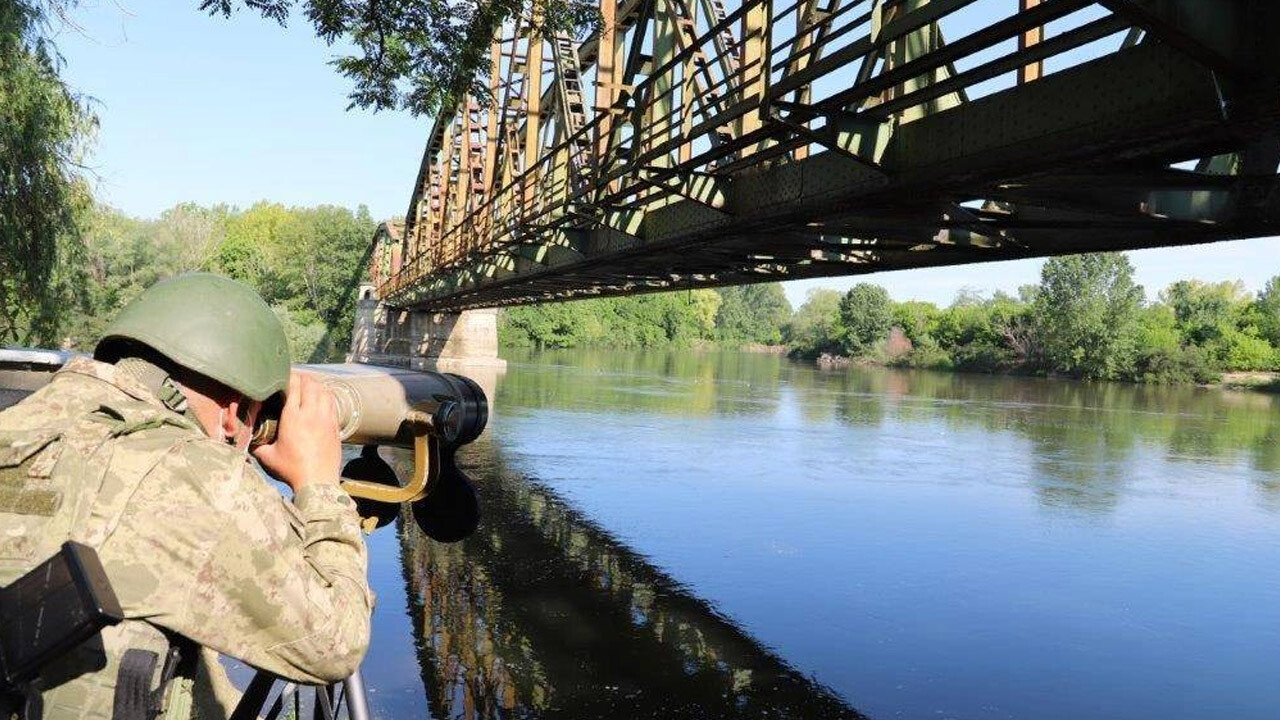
x=465, y=342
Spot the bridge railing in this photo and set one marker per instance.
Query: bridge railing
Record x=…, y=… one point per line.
x=649, y=134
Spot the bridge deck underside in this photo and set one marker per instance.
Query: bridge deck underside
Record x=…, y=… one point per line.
x=1150, y=145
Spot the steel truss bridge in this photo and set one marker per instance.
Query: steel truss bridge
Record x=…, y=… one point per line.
x=694, y=143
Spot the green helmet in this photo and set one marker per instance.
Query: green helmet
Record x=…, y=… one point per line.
x=211, y=325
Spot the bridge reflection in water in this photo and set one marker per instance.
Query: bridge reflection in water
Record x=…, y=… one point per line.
x=543, y=614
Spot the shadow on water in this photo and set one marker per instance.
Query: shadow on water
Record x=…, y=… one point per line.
x=543, y=614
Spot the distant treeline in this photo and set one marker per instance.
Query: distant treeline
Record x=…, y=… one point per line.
x=305, y=262
x=735, y=317
x=1086, y=318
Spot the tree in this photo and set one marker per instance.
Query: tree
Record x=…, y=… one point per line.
x=44, y=129
x=986, y=335
x=1222, y=319
x=752, y=314
x=417, y=55
x=916, y=318
x=119, y=261
x=703, y=308
x=813, y=328
x=1205, y=312
x=678, y=318
x=186, y=236
x=1244, y=350
x=968, y=297
x=1162, y=357
x=1013, y=328
x=305, y=261
x=250, y=244
x=1086, y=315
x=1267, y=311
x=553, y=325
x=866, y=314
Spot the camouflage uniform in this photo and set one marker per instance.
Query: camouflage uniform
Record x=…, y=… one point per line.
x=194, y=540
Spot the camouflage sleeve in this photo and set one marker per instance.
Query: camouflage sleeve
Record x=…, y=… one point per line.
x=234, y=567
x=326, y=592
x=301, y=608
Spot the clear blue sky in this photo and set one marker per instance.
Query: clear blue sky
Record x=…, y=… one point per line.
x=209, y=110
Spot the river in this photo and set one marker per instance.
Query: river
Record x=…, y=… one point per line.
x=706, y=535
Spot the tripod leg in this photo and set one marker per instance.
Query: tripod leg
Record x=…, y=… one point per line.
x=255, y=697
x=323, y=709
x=357, y=703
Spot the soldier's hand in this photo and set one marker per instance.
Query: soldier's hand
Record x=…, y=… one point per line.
x=307, y=448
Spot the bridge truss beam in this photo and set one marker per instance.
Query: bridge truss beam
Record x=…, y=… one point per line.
x=687, y=143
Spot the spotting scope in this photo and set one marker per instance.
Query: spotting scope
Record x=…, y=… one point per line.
x=431, y=413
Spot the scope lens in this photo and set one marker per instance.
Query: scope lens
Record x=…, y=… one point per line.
x=448, y=421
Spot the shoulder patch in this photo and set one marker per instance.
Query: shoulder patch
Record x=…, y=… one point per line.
x=23, y=460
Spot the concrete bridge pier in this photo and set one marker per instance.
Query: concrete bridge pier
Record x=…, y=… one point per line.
x=459, y=342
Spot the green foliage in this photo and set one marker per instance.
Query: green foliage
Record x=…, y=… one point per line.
x=418, y=55
x=1086, y=318
x=240, y=258
x=1267, y=312
x=1158, y=328
x=752, y=314
x=309, y=260
x=917, y=320
x=1233, y=330
x=553, y=325
x=865, y=318
x=305, y=334
x=677, y=319
x=815, y=327
x=123, y=256
x=1086, y=315
x=44, y=129
x=305, y=262
x=985, y=335
x=1206, y=312
x=1174, y=365
x=1244, y=350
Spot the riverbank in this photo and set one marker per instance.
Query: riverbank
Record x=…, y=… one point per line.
x=762, y=349
x=1268, y=382
x=1248, y=381
x=1087, y=318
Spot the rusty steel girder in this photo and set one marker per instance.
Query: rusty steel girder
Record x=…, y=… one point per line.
x=693, y=143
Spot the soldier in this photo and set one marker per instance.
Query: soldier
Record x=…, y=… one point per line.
x=142, y=454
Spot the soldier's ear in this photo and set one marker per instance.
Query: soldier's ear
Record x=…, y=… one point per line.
x=231, y=419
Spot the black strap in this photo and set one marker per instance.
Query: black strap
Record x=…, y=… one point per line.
x=23, y=702
x=134, y=699
x=133, y=685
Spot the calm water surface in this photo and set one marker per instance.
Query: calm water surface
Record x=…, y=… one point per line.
x=728, y=535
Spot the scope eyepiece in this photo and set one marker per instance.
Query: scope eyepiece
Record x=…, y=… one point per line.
x=473, y=407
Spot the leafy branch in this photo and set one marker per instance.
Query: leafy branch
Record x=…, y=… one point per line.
x=416, y=55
